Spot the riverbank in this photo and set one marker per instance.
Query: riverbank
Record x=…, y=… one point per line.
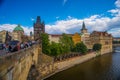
x=66, y=64
x=63, y=65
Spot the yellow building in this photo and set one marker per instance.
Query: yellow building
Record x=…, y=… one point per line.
x=104, y=39
x=76, y=38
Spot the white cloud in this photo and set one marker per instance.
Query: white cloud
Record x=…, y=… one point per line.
x=57, y=17
x=114, y=11
x=10, y=27
x=64, y=2
x=117, y=3
x=32, y=19
x=94, y=22
x=72, y=25
x=115, y=31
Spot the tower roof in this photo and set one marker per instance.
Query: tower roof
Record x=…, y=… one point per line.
x=18, y=28
x=83, y=26
x=38, y=19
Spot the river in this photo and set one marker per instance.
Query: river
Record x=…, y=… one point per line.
x=105, y=67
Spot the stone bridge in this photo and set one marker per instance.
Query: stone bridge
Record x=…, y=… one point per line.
x=16, y=66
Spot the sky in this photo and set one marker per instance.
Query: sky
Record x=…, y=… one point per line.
x=62, y=16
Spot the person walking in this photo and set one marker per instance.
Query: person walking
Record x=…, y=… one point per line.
x=7, y=48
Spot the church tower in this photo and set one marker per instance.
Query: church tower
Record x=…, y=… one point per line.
x=83, y=30
x=39, y=27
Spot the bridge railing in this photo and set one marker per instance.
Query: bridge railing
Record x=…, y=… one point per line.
x=8, y=61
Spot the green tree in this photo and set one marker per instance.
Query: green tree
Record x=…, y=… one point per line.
x=45, y=43
x=81, y=47
x=66, y=43
x=56, y=49
x=97, y=47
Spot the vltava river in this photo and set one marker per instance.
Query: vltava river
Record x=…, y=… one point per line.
x=106, y=67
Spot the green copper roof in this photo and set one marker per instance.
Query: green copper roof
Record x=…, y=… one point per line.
x=18, y=28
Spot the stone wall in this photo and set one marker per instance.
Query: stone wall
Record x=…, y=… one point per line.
x=45, y=65
x=16, y=66
x=50, y=68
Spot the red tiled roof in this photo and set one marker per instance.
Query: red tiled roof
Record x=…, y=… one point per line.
x=102, y=33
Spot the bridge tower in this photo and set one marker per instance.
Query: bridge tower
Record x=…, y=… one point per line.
x=39, y=27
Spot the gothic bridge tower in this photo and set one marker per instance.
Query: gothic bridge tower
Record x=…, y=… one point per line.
x=39, y=27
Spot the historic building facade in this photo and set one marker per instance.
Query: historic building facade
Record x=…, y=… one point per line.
x=18, y=33
x=104, y=39
x=76, y=38
x=5, y=36
x=39, y=27
x=54, y=37
x=85, y=36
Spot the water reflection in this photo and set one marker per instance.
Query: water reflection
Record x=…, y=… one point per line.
x=106, y=67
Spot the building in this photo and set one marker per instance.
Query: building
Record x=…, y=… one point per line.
x=18, y=33
x=5, y=36
x=39, y=27
x=31, y=37
x=83, y=30
x=85, y=36
x=104, y=39
x=54, y=38
x=76, y=38
x=116, y=39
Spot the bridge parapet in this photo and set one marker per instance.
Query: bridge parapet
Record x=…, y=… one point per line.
x=14, y=64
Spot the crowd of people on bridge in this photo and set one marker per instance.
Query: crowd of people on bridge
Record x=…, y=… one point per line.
x=14, y=46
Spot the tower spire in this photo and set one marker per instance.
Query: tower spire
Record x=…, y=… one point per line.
x=83, y=26
x=38, y=19
x=83, y=30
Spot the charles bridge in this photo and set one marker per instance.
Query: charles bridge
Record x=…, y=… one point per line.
x=17, y=65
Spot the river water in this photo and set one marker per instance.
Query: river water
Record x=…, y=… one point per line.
x=106, y=67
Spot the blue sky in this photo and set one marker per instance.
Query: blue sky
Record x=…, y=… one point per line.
x=61, y=15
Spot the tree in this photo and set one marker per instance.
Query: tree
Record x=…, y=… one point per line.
x=81, y=47
x=56, y=49
x=97, y=47
x=66, y=43
x=45, y=43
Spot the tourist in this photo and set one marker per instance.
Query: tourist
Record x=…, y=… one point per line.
x=7, y=48
x=22, y=45
x=18, y=46
x=10, y=48
x=4, y=46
